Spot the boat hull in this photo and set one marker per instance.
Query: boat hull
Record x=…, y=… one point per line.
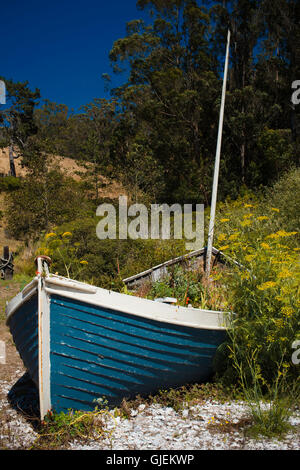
x=24, y=329
x=82, y=351
x=100, y=355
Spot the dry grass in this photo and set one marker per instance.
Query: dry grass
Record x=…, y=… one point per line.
x=69, y=167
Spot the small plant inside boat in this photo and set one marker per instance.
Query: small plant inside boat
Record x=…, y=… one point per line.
x=190, y=287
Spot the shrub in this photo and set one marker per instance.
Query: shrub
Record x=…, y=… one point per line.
x=107, y=262
x=9, y=183
x=38, y=204
x=285, y=195
x=264, y=294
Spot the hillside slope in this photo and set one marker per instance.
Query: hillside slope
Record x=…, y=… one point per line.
x=69, y=167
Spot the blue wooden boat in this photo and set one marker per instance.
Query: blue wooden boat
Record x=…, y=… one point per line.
x=83, y=345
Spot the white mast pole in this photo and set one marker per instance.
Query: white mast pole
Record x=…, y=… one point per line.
x=2, y=92
x=217, y=165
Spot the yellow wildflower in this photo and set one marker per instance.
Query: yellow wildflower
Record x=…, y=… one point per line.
x=270, y=338
x=246, y=223
x=265, y=245
x=249, y=257
x=248, y=205
x=50, y=235
x=245, y=275
x=279, y=322
x=284, y=274
x=67, y=234
x=272, y=235
x=291, y=233
x=286, y=290
x=287, y=311
x=283, y=339
x=267, y=285
x=234, y=236
x=247, y=216
x=262, y=217
x=224, y=220
x=222, y=248
x=83, y=262
x=283, y=233
x=275, y=209
x=222, y=237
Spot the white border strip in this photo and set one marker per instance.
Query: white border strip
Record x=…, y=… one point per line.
x=190, y=317
x=20, y=299
x=44, y=343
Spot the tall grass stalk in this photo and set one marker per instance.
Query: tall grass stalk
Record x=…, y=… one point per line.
x=270, y=405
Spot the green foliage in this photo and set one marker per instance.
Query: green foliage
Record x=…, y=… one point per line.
x=157, y=135
x=264, y=294
x=60, y=429
x=189, y=287
x=192, y=394
x=180, y=398
x=40, y=203
x=168, y=102
x=285, y=195
x=9, y=183
x=17, y=119
x=60, y=248
x=271, y=416
x=142, y=175
x=277, y=150
x=107, y=262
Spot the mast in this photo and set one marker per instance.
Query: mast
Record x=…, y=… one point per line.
x=217, y=166
x=2, y=92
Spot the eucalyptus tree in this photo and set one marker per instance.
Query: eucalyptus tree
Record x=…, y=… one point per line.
x=170, y=93
x=257, y=140
x=281, y=62
x=96, y=122
x=17, y=119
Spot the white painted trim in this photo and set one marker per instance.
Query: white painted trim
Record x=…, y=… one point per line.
x=65, y=282
x=132, y=305
x=44, y=343
x=20, y=299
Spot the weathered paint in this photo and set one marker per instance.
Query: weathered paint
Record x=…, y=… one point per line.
x=94, y=344
x=23, y=325
x=193, y=260
x=99, y=353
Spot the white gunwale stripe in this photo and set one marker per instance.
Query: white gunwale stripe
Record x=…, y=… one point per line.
x=189, y=317
x=44, y=344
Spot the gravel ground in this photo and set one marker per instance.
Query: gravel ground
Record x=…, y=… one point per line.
x=207, y=426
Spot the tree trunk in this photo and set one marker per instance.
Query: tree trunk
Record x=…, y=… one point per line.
x=243, y=161
x=12, y=162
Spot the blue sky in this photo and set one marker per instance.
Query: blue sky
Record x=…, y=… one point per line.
x=62, y=46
